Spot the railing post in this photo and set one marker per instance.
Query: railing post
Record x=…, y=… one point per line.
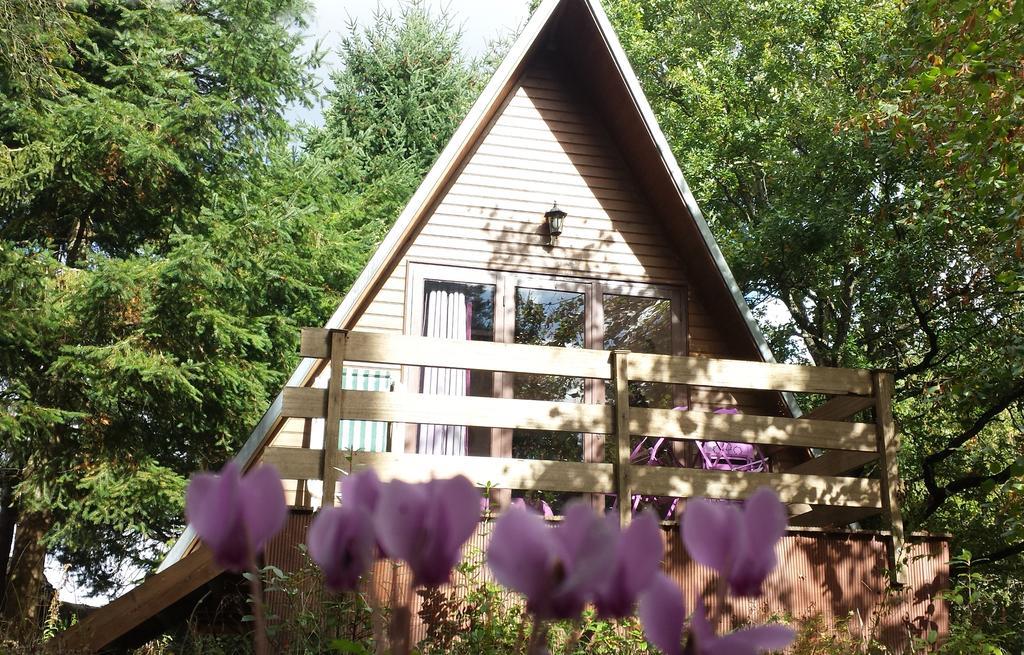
x=623, y=480
x=888, y=447
x=332, y=424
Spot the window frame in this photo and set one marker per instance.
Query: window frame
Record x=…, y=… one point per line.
x=505, y=284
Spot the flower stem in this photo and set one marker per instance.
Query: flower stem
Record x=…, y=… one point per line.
x=401, y=621
x=721, y=596
x=256, y=591
x=537, y=638
x=574, y=636
x=376, y=618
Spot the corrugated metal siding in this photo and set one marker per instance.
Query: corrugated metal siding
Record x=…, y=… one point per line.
x=283, y=553
x=837, y=575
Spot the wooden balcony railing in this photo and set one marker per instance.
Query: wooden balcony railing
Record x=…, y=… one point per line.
x=848, y=445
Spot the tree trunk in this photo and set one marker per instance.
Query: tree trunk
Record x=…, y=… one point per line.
x=8, y=517
x=23, y=600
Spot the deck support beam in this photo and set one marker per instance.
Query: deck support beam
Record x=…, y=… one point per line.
x=623, y=477
x=888, y=447
x=332, y=425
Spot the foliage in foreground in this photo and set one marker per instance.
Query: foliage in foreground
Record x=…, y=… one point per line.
x=161, y=243
x=588, y=558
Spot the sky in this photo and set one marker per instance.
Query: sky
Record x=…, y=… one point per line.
x=481, y=21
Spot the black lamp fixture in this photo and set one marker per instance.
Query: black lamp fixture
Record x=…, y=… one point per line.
x=555, y=218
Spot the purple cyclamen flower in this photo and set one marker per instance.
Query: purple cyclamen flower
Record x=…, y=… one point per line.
x=361, y=490
x=342, y=543
x=747, y=641
x=539, y=506
x=639, y=549
x=235, y=516
x=662, y=613
x=426, y=525
x=739, y=544
x=558, y=569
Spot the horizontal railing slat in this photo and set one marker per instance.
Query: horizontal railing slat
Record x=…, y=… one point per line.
x=377, y=348
x=398, y=407
x=839, y=408
x=295, y=463
x=735, y=485
x=510, y=473
x=749, y=428
x=822, y=515
x=496, y=472
x=739, y=374
x=834, y=463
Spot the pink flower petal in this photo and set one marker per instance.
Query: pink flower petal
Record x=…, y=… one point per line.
x=213, y=507
x=765, y=517
x=638, y=559
x=749, y=641
x=263, y=505
x=662, y=613
x=642, y=536
x=362, y=489
x=460, y=501
x=588, y=543
x=712, y=533
x=341, y=542
x=764, y=523
x=702, y=631
x=399, y=521
x=521, y=553
x=210, y=506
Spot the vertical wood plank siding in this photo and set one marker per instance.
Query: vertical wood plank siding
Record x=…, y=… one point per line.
x=837, y=575
x=547, y=146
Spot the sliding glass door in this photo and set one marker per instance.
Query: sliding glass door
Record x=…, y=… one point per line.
x=469, y=304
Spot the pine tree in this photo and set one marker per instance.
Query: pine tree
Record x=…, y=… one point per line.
x=142, y=310
x=161, y=245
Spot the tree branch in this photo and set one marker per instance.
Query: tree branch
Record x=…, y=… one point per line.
x=933, y=341
x=938, y=494
x=1005, y=552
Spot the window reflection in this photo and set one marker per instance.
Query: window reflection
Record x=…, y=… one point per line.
x=549, y=318
x=640, y=325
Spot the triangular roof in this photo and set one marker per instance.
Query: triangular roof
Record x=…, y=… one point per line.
x=596, y=57
x=590, y=50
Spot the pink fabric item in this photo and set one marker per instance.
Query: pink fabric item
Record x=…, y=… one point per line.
x=730, y=455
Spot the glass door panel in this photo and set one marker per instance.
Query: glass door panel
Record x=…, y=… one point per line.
x=644, y=325
x=641, y=325
x=459, y=311
x=546, y=317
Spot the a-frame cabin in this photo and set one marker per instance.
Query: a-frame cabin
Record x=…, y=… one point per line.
x=473, y=258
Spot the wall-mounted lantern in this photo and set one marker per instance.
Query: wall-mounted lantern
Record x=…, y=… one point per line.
x=555, y=218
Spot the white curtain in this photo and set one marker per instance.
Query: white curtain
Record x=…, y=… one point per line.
x=448, y=317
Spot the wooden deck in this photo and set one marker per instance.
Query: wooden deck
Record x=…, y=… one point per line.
x=819, y=485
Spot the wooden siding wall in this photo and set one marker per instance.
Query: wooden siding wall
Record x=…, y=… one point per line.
x=546, y=146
